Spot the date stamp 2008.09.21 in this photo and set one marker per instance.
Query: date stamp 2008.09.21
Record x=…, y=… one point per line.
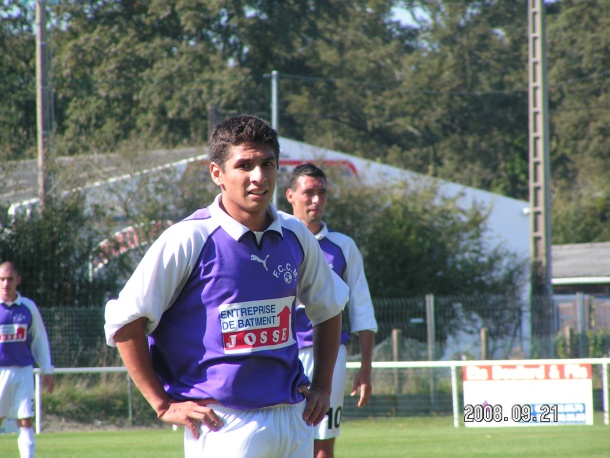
x=519, y=413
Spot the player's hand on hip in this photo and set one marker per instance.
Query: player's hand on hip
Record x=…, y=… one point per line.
x=192, y=414
x=318, y=402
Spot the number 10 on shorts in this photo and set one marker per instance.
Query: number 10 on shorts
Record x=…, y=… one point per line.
x=334, y=417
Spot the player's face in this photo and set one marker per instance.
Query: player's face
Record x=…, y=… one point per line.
x=308, y=200
x=247, y=183
x=9, y=281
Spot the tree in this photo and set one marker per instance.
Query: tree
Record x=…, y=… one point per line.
x=53, y=249
x=579, y=96
x=446, y=96
x=17, y=83
x=345, y=96
x=421, y=242
x=147, y=70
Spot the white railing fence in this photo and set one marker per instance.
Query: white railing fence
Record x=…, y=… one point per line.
x=378, y=366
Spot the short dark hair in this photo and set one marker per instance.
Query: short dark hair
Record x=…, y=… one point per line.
x=306, y=169
x=238, y=130
x=12, y=265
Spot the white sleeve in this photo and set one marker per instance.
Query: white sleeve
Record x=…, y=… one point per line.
x=40, y=340
x=157, y=281
x=320, y=289
x=360, y=305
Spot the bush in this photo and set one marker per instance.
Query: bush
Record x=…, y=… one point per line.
x=97, y=399
x=592, y=344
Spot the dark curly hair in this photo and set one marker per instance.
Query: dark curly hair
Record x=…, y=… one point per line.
x=238, y=130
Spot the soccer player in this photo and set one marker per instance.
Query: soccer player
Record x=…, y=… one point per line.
x=205, y=325
x=23, y=342
x=307, y=194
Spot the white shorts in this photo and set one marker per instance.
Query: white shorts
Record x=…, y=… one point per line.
x=330, y=427
x=16, y=392
x=272, y=432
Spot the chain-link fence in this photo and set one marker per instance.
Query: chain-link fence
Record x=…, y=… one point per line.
x=410, y=329
x=76, y=336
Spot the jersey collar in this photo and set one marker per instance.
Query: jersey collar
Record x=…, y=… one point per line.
x=17, y=301
x=323, y=232
x=234, y=228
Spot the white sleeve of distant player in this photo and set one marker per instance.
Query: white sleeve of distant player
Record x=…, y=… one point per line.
x=157, y=281
x=360, y=305
x=321, y=290
x=40, y=340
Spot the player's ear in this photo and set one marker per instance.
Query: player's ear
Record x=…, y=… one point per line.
x=289, y=195
x=216, y=173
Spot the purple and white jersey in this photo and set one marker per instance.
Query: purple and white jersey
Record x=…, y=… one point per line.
x=345, y=260
x=220, y=307
x=23, y=337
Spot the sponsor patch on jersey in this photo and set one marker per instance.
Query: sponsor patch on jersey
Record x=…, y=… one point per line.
x=13, y=332
x=257, y=325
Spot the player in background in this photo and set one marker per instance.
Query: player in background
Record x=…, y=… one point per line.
x=205, y=325
x=23, y=342
x=307, y=194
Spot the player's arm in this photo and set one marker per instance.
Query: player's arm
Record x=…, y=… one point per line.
x=362, y=319
x=133, y=347
x=326, y=339
x=362, y=380
x=324, y=295
x=132, y=344
x=41, y=349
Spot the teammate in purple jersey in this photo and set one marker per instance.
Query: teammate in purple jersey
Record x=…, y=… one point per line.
x=205, y=325
x=23, y=342
x=307, y=194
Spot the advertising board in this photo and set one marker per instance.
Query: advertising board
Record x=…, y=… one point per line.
x=527, y=395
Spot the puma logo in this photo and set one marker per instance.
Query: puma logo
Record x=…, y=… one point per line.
x=262, y=261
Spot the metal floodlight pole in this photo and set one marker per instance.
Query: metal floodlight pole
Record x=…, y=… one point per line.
x=275, y=76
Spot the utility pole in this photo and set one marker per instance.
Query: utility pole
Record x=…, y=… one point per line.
x=539, y=171
x=43, y=108
x=539, y=163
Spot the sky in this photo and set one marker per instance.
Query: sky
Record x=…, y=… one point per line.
x=404, y=16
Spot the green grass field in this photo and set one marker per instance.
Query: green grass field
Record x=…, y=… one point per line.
x=376, y=438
